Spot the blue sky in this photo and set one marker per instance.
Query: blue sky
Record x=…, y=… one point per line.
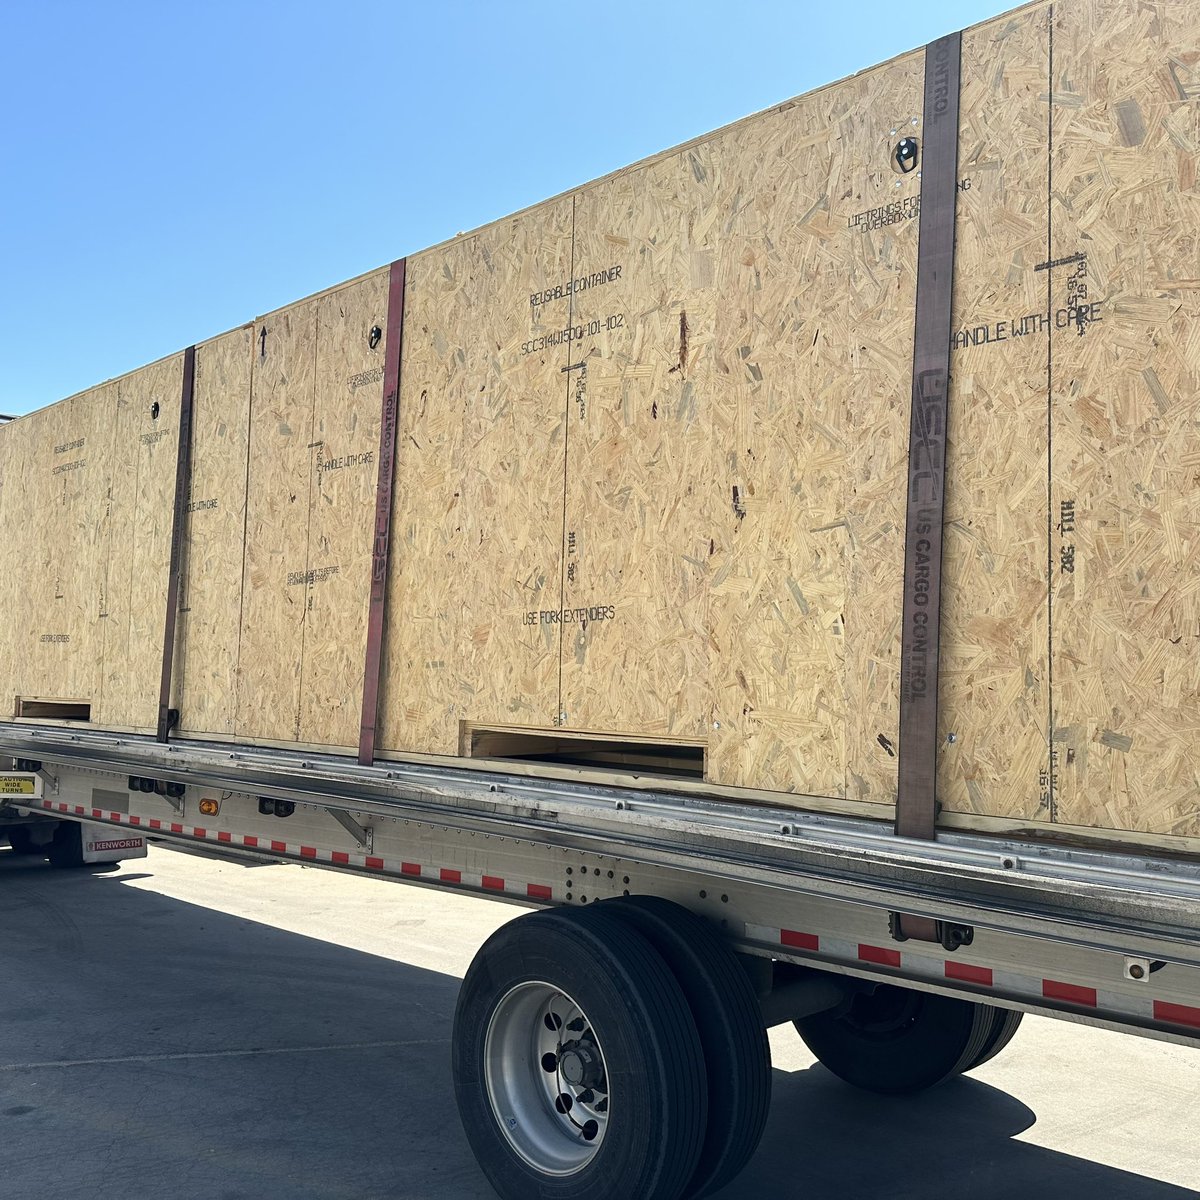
x=173, y=170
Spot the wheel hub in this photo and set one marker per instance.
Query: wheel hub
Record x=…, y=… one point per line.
x=546, y=1078
x=888, y=1012
x=580, y=1065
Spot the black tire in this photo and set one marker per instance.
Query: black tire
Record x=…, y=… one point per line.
x=1006, y=1022
x=897, y=1040
x=729, y=1020
x=20, y=838
x=653, y=1070
x=66, y=847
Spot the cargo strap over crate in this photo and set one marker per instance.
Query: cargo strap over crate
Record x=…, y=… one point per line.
x=381, y=536
x=916, y=800
x=183, y=484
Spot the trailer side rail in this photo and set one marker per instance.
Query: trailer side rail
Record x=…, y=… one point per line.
x=1095, y=936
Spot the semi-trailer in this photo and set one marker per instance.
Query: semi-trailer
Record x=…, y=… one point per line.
x=775, y=562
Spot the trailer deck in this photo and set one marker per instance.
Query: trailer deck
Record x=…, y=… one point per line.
x=1088, y=934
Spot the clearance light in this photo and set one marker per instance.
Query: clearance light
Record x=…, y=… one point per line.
x=210, y=807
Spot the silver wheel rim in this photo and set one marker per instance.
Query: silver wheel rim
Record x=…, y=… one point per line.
x=547, y=1081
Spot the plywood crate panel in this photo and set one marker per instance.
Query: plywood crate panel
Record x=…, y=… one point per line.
x=278, y=499
x=58, y=650
x=994, y=715
x=652, y=463
x=13, y=551
x=345, y=445
x=89, y=541
x=812, y=341
x=474, y=631
x=210, y=610
x=139, y=513
x=640, y=491
x=1125, y=427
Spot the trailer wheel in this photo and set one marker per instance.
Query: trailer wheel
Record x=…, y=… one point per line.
x=577, y=1067
x=896, y=1040
x=66, y=847
x=729, y=1020
x=1005, y=1024
x=20, y=838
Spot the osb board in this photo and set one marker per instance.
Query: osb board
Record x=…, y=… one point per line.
x=993, y=719
x=642, y=496
x=278, y=496
x=59, y=647
x=808, y=439
x=1125, y=509
x=205, y=676
x=345, y=445
x=810, y=706
x=766, y=617
x=13, y=472
x=315, y=402
x=138, y=522
x=805, y=415
x=475, y=585
x=872, y=359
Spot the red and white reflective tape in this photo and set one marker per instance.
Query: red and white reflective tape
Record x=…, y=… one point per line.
x=1003, y=982
x=341, y=858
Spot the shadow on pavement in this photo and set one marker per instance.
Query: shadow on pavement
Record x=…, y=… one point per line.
x=827, y=1140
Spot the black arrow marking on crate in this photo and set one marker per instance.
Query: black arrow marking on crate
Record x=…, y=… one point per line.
x=262, y=341
x=319, y=447
x=1061, y=262
x=916, y=795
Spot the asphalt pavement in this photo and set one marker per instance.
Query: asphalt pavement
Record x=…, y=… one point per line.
x=197, y=1029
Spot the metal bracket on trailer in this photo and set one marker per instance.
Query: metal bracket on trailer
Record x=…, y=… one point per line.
x=363, y=835
x=172, y=793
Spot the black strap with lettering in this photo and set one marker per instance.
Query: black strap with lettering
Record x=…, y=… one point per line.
x=916, y=800
x=183, y=484
x=382, y=529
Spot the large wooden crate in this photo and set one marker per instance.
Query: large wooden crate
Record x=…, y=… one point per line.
x=652, y=466
x=85, y=512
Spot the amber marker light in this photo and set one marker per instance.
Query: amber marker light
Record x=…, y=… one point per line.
x=210, y=807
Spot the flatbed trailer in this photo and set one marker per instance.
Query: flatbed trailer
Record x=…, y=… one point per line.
x=814, y=904
x=800, y=830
